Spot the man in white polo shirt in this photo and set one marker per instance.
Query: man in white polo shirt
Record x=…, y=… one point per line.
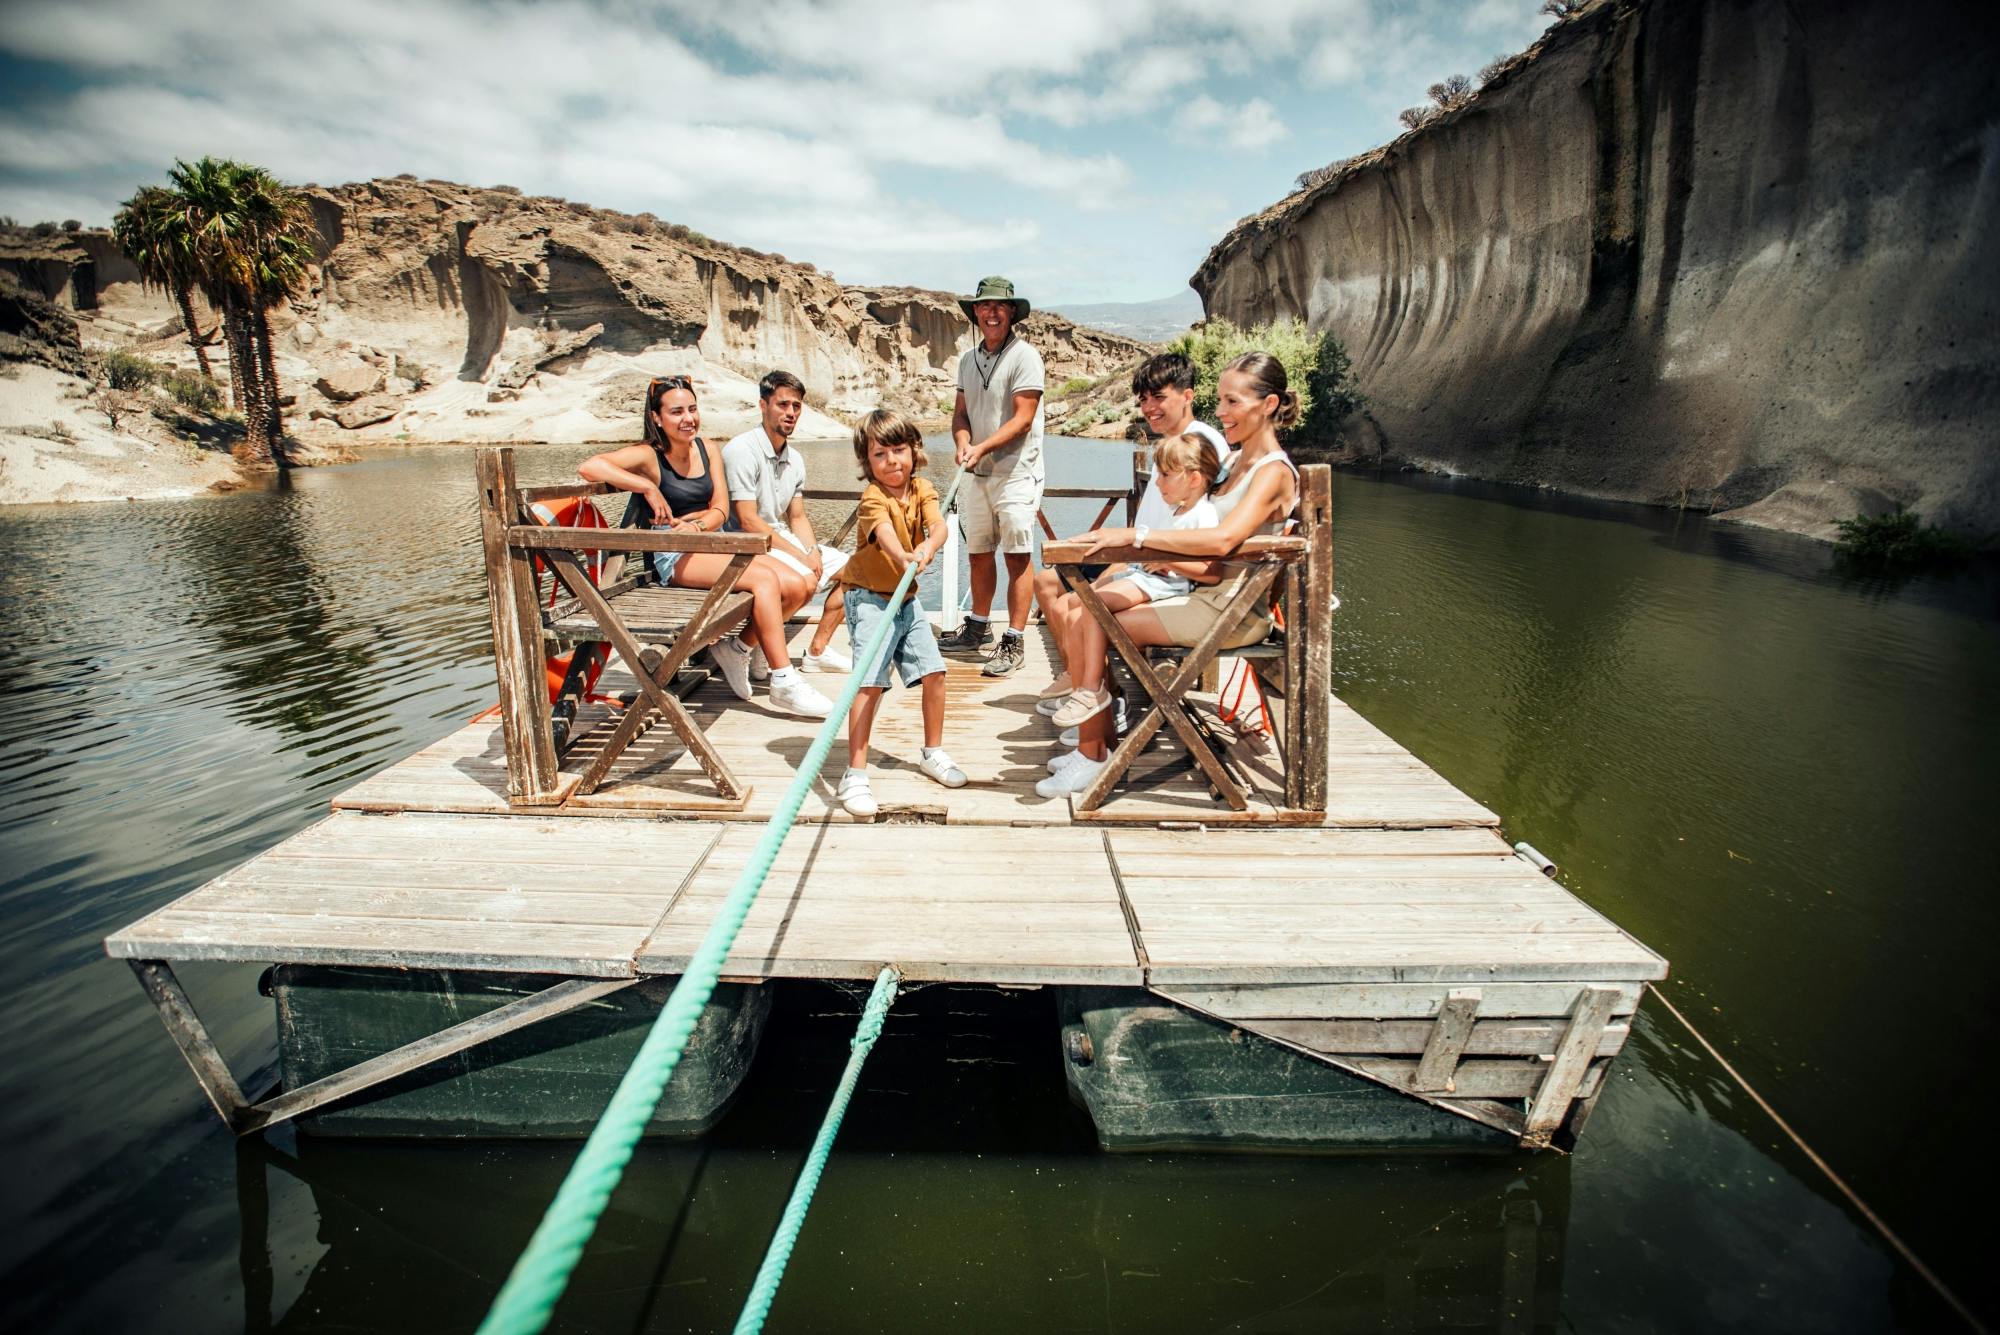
x=766, y=479
x=996, y=424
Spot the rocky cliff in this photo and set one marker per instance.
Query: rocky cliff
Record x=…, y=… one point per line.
x=1723, y=253
x=445, y=312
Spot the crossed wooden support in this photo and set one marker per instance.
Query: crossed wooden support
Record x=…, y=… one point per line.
x=1304, y=562
x=512, y=540
x=242, y=1116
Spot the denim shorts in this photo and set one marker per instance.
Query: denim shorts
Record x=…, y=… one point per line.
x=1157, y=588
x=912, y=647
x=664, y=563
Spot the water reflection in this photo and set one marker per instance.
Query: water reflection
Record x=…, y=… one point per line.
x=1776, y=778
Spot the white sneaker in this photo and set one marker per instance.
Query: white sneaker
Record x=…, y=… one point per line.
x=1064, y=760
x=1048, y=705
x=759, y=669
x=1068, y=735
x=831, y=661
x=938, y=766
x=798, y=697
x=732, y=658
x=854, y=795
x=1072, y=780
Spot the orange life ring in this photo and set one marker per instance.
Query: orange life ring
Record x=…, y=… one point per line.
x=575, y=512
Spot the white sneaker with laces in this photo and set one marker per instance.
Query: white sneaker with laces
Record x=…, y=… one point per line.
x=759, y=669
x=939, y=766
x=854, y=795
x=732, y=659
x=1072, y=780
x=798, y=697
x=831, y=661
x=1064, y=760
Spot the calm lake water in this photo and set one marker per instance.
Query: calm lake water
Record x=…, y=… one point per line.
x=1775, y=777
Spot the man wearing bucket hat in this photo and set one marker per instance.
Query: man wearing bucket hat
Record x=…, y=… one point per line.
x=996, y=424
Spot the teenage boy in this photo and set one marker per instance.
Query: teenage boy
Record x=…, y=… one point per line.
x=767, y=481
x=996, y=423
x=1164, y=386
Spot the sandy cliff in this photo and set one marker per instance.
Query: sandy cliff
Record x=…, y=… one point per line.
x=1724, y=253
x=446, y=312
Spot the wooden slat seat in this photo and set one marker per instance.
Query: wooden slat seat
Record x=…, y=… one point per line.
x=626, y=616
x=653, y=614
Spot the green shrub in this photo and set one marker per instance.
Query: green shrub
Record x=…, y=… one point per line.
x=1316, y=369
x=194, y=391
x=1896, y=544
x=128, y=371
x=1074, y=385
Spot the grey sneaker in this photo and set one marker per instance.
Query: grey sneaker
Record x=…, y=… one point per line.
x=970, y=637
x=1006, y=657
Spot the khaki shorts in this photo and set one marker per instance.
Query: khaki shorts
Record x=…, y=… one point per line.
x=1189, y=617
x=998, y=512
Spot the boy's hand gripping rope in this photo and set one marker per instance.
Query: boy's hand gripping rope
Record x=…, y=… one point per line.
x=529, y=1296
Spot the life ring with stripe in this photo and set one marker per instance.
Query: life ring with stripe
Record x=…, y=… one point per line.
x=573, y=512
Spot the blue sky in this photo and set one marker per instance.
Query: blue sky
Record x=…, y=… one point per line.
x=1092, y=150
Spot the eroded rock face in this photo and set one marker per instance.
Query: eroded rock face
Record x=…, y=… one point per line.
x=1699, y=252
x=559, y=300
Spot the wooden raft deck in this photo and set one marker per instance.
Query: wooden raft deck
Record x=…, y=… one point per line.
x=1208, y=910
x=991, y=730
x=1402, y=940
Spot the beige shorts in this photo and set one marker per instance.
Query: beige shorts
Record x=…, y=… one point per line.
x=998, y=512
x=1188, y=617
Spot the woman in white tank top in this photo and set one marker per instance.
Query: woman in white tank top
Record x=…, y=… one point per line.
x=1253, y=402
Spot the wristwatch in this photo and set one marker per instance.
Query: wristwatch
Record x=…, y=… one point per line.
x=1139, y=535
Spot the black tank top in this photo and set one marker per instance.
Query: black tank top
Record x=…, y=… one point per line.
x=685, y=495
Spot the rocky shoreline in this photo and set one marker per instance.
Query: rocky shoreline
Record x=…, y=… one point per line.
x=440, y=312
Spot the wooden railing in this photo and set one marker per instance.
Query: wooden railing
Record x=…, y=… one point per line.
x=509, y=540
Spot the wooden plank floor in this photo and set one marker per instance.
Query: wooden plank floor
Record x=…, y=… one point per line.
x=610, y=898
x=1347, y=906
x=991, y=730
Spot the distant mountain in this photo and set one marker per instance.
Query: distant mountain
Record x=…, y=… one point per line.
x=1147, y=321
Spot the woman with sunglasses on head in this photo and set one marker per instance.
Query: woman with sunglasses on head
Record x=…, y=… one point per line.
x=679, y=475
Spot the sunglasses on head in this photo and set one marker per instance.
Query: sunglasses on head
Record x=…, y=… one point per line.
x=666, y=382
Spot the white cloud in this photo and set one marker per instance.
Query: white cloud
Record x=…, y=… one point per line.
x=869, y=133
x=1252, y=126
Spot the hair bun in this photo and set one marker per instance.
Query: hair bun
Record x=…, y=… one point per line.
x=1288, y=409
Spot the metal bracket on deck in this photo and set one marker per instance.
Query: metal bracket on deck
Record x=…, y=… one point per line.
x=242, y=1117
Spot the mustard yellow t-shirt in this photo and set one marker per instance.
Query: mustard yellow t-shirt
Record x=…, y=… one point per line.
x=912, y=519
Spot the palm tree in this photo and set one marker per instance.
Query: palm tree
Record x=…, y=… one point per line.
x=151, y=232
x=207, y=194
x=282, y=225
x=252, y=240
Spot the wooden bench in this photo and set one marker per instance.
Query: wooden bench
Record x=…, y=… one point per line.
x=1293, y=573
x=630, y=612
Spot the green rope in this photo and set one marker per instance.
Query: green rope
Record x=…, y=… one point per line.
x=757, y=1307
x=539, y=1277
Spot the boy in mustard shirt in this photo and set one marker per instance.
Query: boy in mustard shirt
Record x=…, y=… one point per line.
x=899, y=525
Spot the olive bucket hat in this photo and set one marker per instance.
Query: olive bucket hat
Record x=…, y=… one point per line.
x=995, y=288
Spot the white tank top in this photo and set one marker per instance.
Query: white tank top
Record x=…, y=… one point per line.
x=1226, y=501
